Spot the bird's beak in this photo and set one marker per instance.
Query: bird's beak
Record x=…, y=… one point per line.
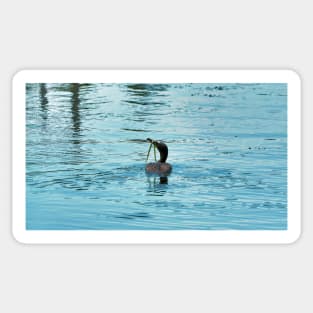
x=154, y=142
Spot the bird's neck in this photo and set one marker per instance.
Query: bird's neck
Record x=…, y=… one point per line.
x=163, y=157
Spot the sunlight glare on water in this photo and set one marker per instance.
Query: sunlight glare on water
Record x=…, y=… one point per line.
x=86, y=153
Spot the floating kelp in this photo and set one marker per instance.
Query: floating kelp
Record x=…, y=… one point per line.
x=154, y=150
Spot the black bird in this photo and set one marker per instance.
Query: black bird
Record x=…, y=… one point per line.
x=160, y=167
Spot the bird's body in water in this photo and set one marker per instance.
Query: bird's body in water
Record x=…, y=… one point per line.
x=160, y=168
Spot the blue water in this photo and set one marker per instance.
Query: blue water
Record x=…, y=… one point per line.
x=86, y=153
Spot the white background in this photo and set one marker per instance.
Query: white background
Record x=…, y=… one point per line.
x=159, y=34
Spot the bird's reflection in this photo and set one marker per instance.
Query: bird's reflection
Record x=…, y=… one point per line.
x=157, y=185
x=163, y=180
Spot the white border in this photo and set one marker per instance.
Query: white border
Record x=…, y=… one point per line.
x=157, y=76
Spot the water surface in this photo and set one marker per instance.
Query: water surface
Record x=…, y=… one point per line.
x=86, y=155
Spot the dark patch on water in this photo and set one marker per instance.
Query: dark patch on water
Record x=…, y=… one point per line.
x=134, y=215
x=134, y=130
